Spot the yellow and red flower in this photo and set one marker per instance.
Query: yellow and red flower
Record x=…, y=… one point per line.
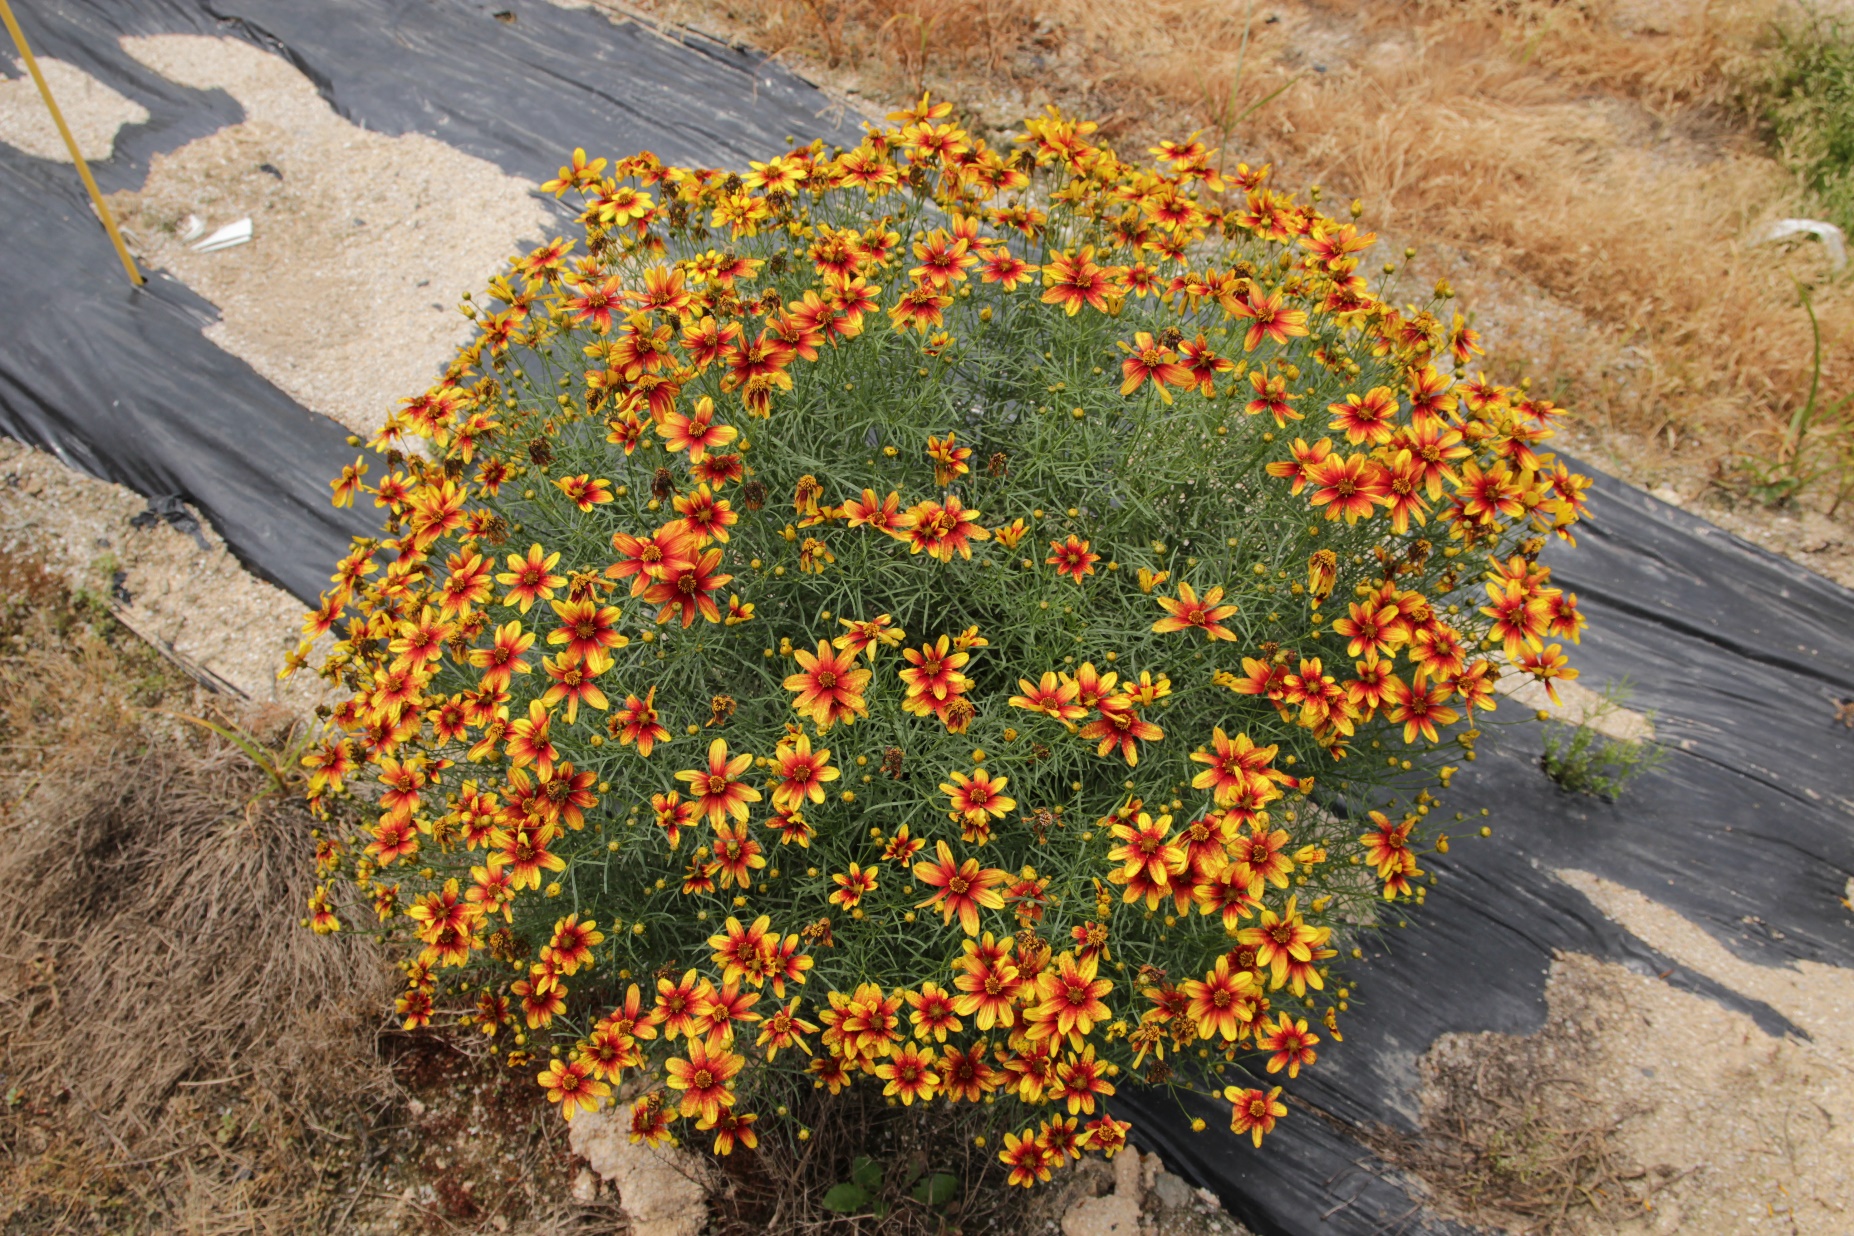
x=717, y=791
x=1072, y=557
x=960, y=889
x=829, y=686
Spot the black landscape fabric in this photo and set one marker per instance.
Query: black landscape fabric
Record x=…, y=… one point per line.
x=1748, y=829
x=121, y=384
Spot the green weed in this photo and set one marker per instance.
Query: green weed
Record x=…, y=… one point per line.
x=1809, y=106
x=1586, y=761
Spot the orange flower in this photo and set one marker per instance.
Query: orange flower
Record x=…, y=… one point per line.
x=703, y=1079
x=585, y=492
x=704, y=516
x=978, y=796
x=1003, y=266
x=869, y=636
x=678, y=1004
x=1147, y=856
x=1235, y=765
x=920, y=307
x=530, y=579
x=572, y=1085
x=717, y=1011
x=967, y=1074
x=637, y=723
x=879, y=513
x=933, y=675
x=1419, y=707
x=731, y=1129
x=1271, y=396
x=949, y=459
x=1024, y=1155
x=697, y=433
x=1217, y=1005
x=910, y=1074
x=1254, y=1112
x=960, y=888
x=1282, y=939
x=1403, y=478
x=1374, y=630
x=1203, y=365
x=646, y=560
x=572, y=943
x=737, y=855
x=1370, y=417
x=830, y=1072
x=1268, y=320
x=1071, y=999
x=587, y=629
x=743, y=952
x=630, y=1019
x=988, y=983
x=689, y=589
x=1290, y=1042
x=934, y=1014
x=1075, y=280
x=1299, y=469
x=784, y=1029
x=1351, y=486
x=1229, y=895
x=1154, y=362
x=1120, y=725
x=853, y=885
x=1079, y=1081
x=718, y=791
x=802, y=774
x=941, y=531
x=829, y=686
x=1259, y=857
x=649, y=1121
x=944, y=259
x=523, y=851
x=530, y=743
x=1546, y=666
x=901, y=847
x=1189, y=613
x=1072, y=558
x=1051, y=696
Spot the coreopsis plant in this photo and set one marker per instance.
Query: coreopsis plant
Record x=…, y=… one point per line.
x=981, y=624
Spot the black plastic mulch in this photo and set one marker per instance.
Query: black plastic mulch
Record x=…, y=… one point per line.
x=1747, y=830
x=122, y=385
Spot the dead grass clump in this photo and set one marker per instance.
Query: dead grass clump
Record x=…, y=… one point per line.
x=1528, y=1152
x=902, y=39
x=168, y=1032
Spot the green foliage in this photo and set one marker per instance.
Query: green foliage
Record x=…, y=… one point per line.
x=1585, y=761
x=1817, y=444
x=862, y=1192
x=1810, y=108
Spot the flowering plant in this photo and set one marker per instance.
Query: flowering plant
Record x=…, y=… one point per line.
x=967, y=622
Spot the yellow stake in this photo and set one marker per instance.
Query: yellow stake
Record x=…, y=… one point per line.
x=83, y=168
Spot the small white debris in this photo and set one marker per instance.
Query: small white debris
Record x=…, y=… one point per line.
x=191, y=229
x=1833, y=239
x=231, y=234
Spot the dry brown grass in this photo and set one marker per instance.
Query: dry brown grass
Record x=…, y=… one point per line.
x=167, y=1031
x=1587, y=175
x=177, y=1052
